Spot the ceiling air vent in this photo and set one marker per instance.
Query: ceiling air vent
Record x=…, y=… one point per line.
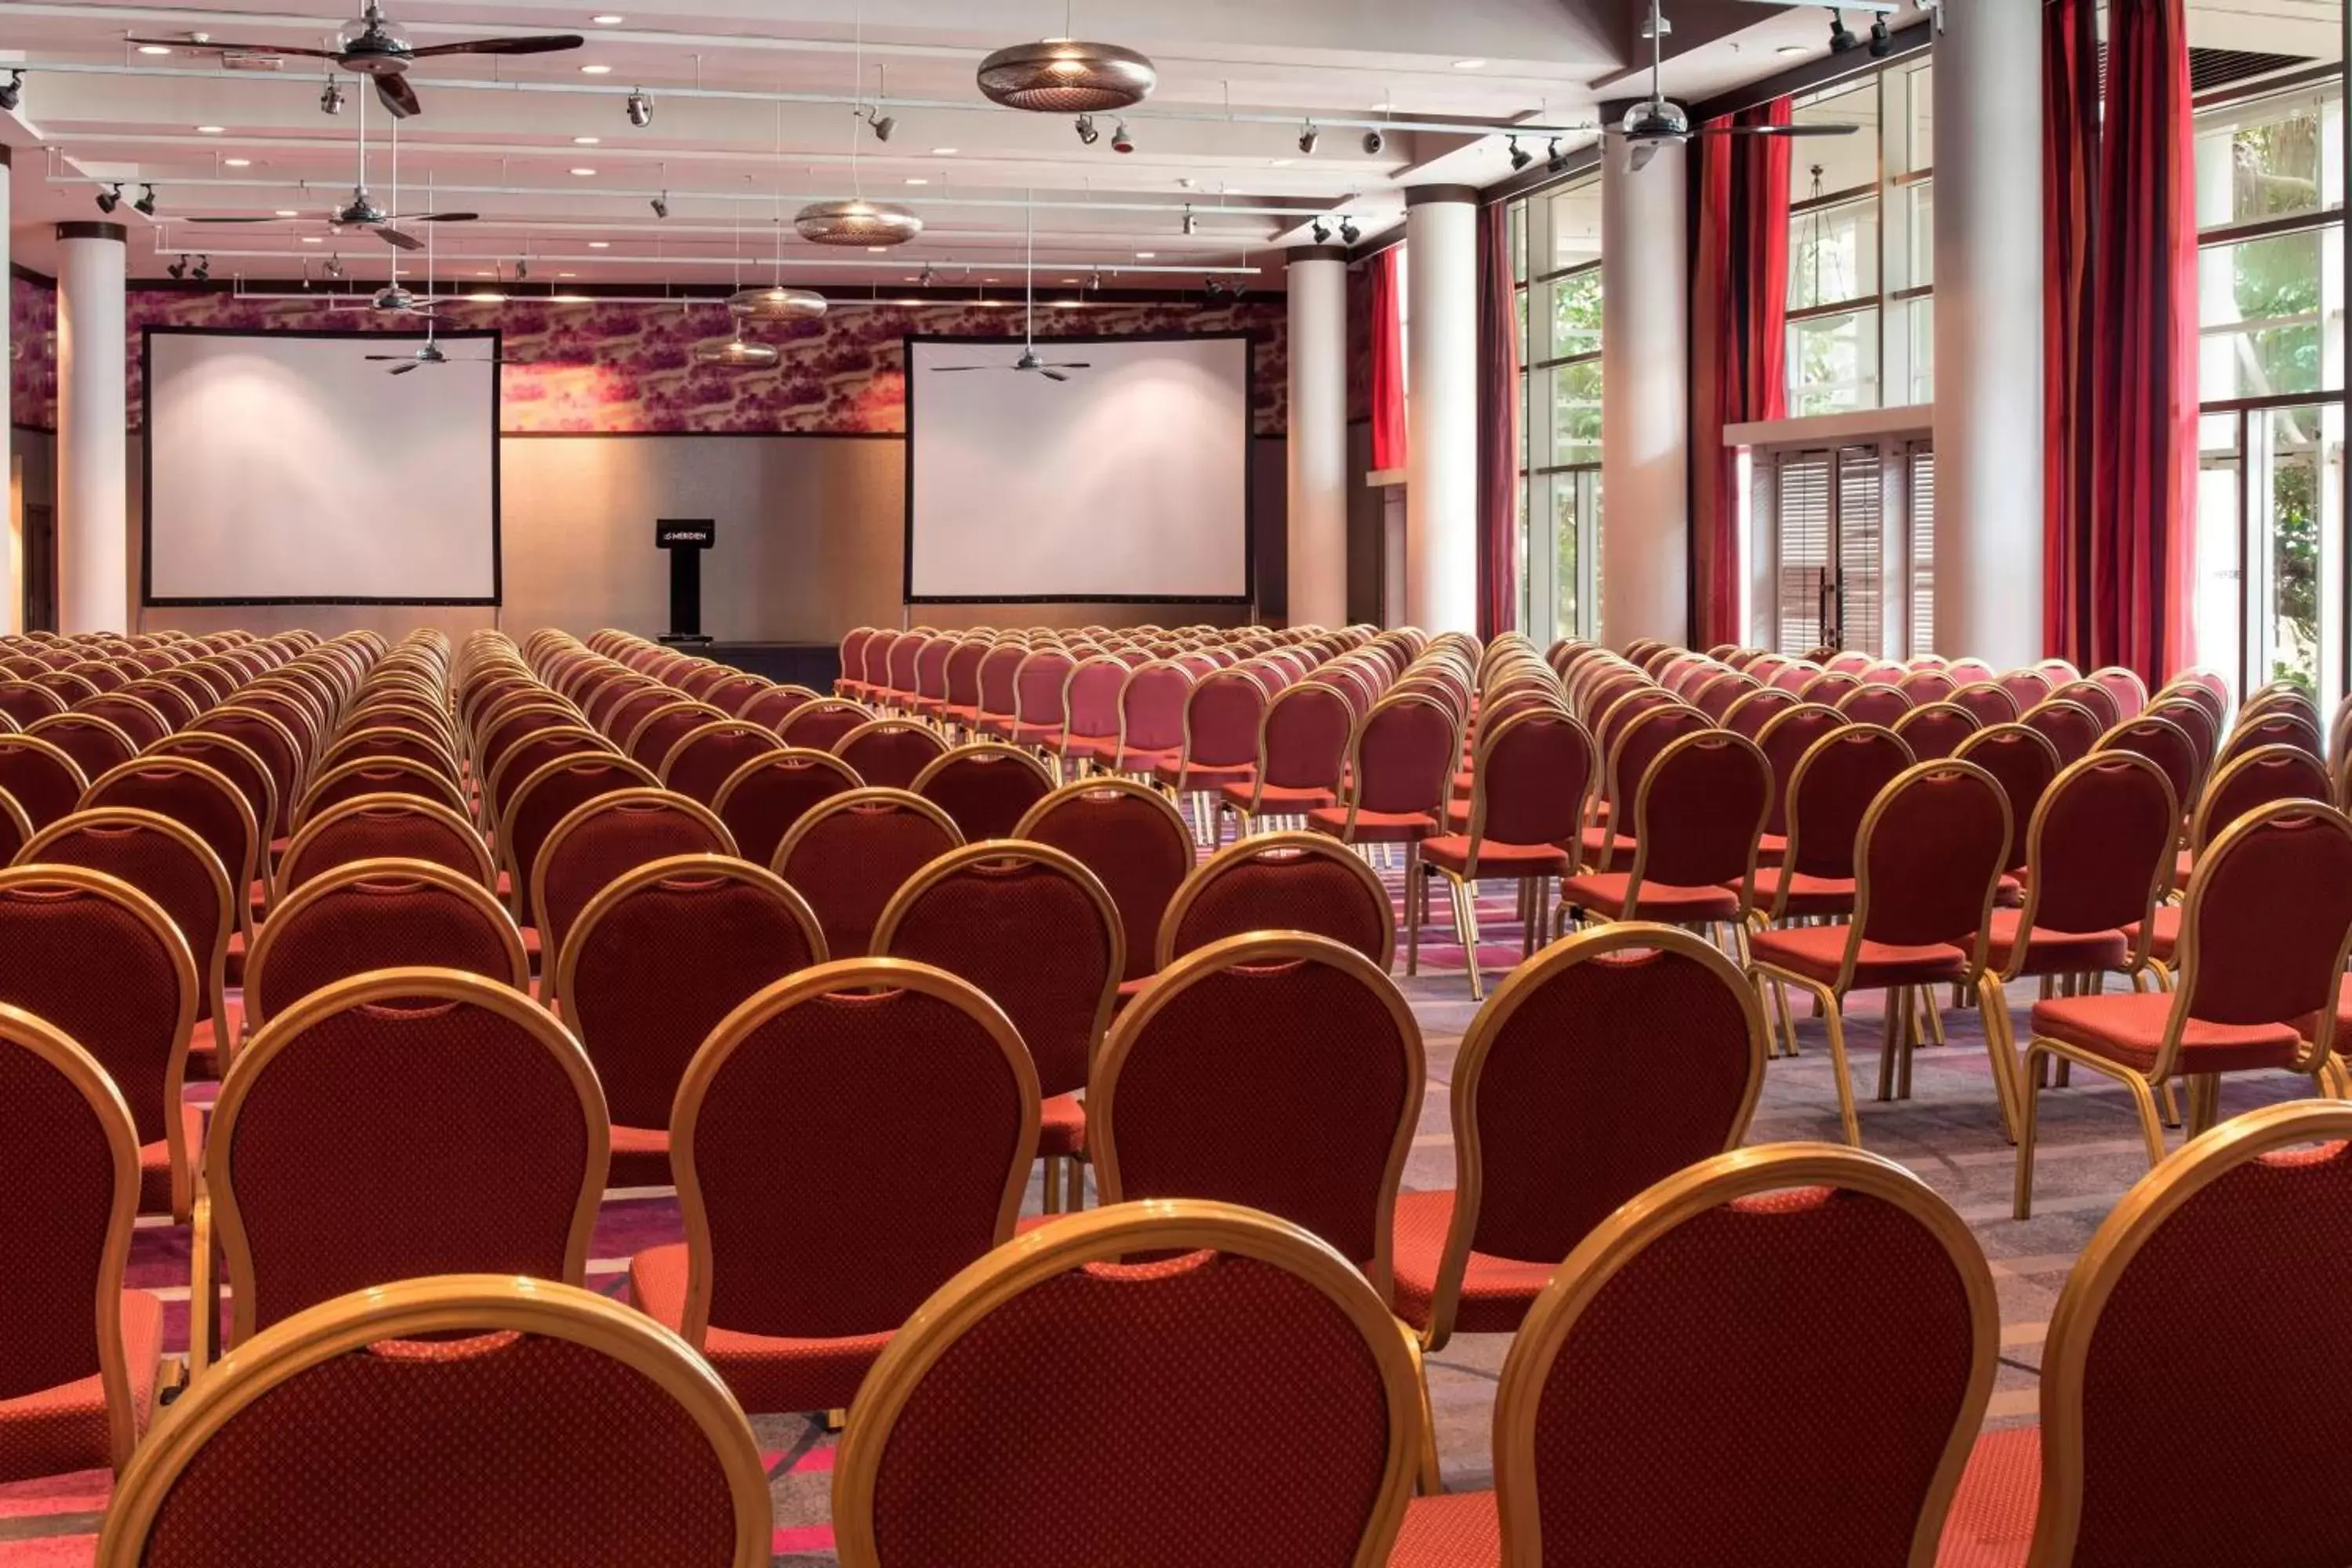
x=2209, y=68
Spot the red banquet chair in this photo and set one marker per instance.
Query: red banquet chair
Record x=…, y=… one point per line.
x=650, y=740
x=706, y=758
x=2071, y=728
x=600, y=839
x=1827, y=792
x=76, y=1382
x=779, y=1284
x=715, y=931
x=849, y=852
x=1625, y=1372
x=367, y=745
x=771, y=705
x=1696, y=816
x=985, y=913
x=1928, y=863
x=1282, y=881
x=2166, y=745
x=494, y=1098
x=1302, y=750
x=268, y=739
x=1874, y=704
x=101, y=961
x=22, y=702
x=1934, y=730
x=2023, y=761
x=820, y=725
x=470, y=1408
x=986, y=787
x=1279, y=1070
x=95, y=745
x=761, y=800
x=1559, y=1116
x=544, y=799
x=1222, y=719
x=377, y=775
x=2264, y=934
x=201, y=798
x=138, y=719
x=2255, y=778
x=1398, y=779
x=1784, y=739
x=940, y=1462
x=1151, y=706
x=1134, y=842
x=366, y=915
x=45, y=783
x=379, y=826
x=890, y=753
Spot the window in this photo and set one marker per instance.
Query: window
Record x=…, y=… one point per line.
x=1556, y=256
x=1850, y=529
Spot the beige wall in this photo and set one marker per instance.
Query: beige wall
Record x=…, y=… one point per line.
x=810, y=544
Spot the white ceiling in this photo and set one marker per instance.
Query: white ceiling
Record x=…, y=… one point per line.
x=1238, y=81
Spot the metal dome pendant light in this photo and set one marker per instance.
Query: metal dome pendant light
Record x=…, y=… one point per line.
x=1064, y=76
x=735, y=353
x=857, y=221
x=776, y=303
x=745, y=306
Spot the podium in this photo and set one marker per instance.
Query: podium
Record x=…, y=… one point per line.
x=686, y=538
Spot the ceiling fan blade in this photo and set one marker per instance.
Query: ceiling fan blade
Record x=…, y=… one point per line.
x=947, y=369
x=405, y=369
x=1051, y=374
x=232, y=220
x=209, y=48
x=539, y=44
x=391, y=236
x=389, y=358
x=1067, y=364
x=1638, y=155
x=398, y=97
x=431, y=217
x=1808, y=129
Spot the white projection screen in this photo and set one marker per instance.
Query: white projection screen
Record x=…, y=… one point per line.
x=1126, y=483
x=286, y=467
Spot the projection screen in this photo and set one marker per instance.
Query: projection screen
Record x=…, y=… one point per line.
x=286, y=467
x=1126, y=483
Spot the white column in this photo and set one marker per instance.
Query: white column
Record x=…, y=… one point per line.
x=1644, y=400
x=1988, y=496
x=93, y=492
x=12, y=544
x=1318, y=443
x=1441, y=346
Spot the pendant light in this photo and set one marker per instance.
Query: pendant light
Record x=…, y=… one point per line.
x=1064, y=76
x=856, y=221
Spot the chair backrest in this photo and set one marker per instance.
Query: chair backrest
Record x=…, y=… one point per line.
x=850, y=852
x=847, y=1051
x=2188, y=707
x=1697, y=814
x=2145, y=1286
x=544, y=799
x=1039, y=687
x=621, y=717
x=940, y=1463
x=761, y=800
x=530, y=1419
x=2071, y=728
x=1641, y=742
x=496, y=1144
x=1651, y=1353
x=1152, y=707
x=2092, y=695
x=23, y=701
x=650, y=739
x=2026, y=687
x=1402, y=756
x=199, y=798
x=68, y=1188
x=1221, y=720
x=2280, y=726
x=900, y=668
x=1232, y=1045
x=94, y=743
x=601, y=837
x=771, y=705
x=377, y=775
x=43, y=781
x=1033, y=930
x=1988, y=702
x=705, y=758
x=2255, y=778
x=528, y=755
x=1874, y=704
x=985, y=787
x=2166, y=745
x=378, y=826
x=138, y=719
x=1282, y=881
x=2267, y=922
x=820, y=725
x=1303, y=738
x=1533, y=774
x=267, y=738
x=1132, y=840
x=1928, y=859
x=1786, y=738
x=366, y=915
x=2022, y=761
x=2100, y=845
x=890, y=753
x=1557, y=1114
x=374, y=741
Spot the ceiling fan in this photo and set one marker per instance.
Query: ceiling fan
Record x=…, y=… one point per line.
x=429, y=352
x=371, y=48
x=1657, y=122
x=1028, y=360
x=361, y=211
x=393, y=299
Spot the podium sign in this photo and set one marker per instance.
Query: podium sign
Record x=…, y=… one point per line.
x=686, y=538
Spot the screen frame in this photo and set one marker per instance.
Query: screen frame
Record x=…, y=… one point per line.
x=147, y=335
x=1248, y=339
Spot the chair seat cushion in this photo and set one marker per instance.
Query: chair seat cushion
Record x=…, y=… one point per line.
x=2009, y=893
x=2164, y=932
x=1069, y=745
x=1061, y=1126
x=2051, y=951
x=1991, y=1521
x=1604, y=893
x=765, y=1372
x=1027, y=734
x=1285, y=799
x=1451, y=1530
x=1496, y=1291
x=203, y=1054
x=1373, y=827
x=1598, y=845
x=640, y=1158
x=232, y=970
x=1111, y=755
x=1451, y=851
x=1808, y=895
x=1180, y=774
x=2343, y=1041
x=57, y=1431
x=1816, y=952
x=1770, y=848
x=2129, y=1029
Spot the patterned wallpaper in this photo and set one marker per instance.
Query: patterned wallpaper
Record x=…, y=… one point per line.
x=630, y=368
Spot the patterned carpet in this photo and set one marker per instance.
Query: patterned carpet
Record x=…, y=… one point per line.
x=1948, y=1132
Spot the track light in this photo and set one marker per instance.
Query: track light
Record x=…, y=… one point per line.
x=1192, y=221
x=1882, y=42
x=1094, y=279
x=1555, y=158
x=661, y=204
x=1349, y=232
x=1120, y=141
x=110, y=200
x=523, y=270
x=204, y=267
x=1084, y=126
x=331, y=97
x=1841, y=38
x=1308, y=138
x=178, y=269
x=1213, y=289
x=1520, y=156
x=880, y=124
x=145, y=205
x=1374, y=142
x=1322, y=232
x=641, y=108
x=334, y=267
x=14, y=93
x=924, y=277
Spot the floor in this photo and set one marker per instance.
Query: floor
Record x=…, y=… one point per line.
x=1948, y=1132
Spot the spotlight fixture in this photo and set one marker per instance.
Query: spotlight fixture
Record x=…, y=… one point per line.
x=1374, y=142
x=1064, y=76
x=881, y=124
x=924, y=277
x=110, y=200
x=178, y=269
x=1094, y=279
x=1192, y=221
x=1322, y=232
x=857, y=222
x=1520, y=156
x=661, y=204
x=523, y=270
x=1349, y=232
x=1308, y=139
x=145, y=205
x=1882, y=42
x=1120, y=141
x=204, y=267
x=1084, y=126
x=1213, y=290
x=641, y=109
x=1841, y=38
x=331, y=97
x=14, y=93
x=334, y=267
x=1555, y=158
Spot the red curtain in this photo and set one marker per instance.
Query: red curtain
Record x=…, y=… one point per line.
x=2070, y=206
x=1388, y=364
x=1739, y=318
x=1499, y=425
x=2144, y=393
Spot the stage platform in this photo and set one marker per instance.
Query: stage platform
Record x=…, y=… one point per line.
x=810, y=664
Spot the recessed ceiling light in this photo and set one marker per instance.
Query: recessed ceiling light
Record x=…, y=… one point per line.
x=1280, y=163
x=583, y=174
x=154, y=48
x=1145, y=255
x=877, y=249
x=567, y=275
x=486, y=274
x=1794, y=49
x=236, y=162
x=208, y=129
x=288, y=212
x=1468, y=65
x=600, y=245
x=945, y=152
x=586, y=140
x=917, y=180
x=312, y=240
x=608, y=20
x=595, y=70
